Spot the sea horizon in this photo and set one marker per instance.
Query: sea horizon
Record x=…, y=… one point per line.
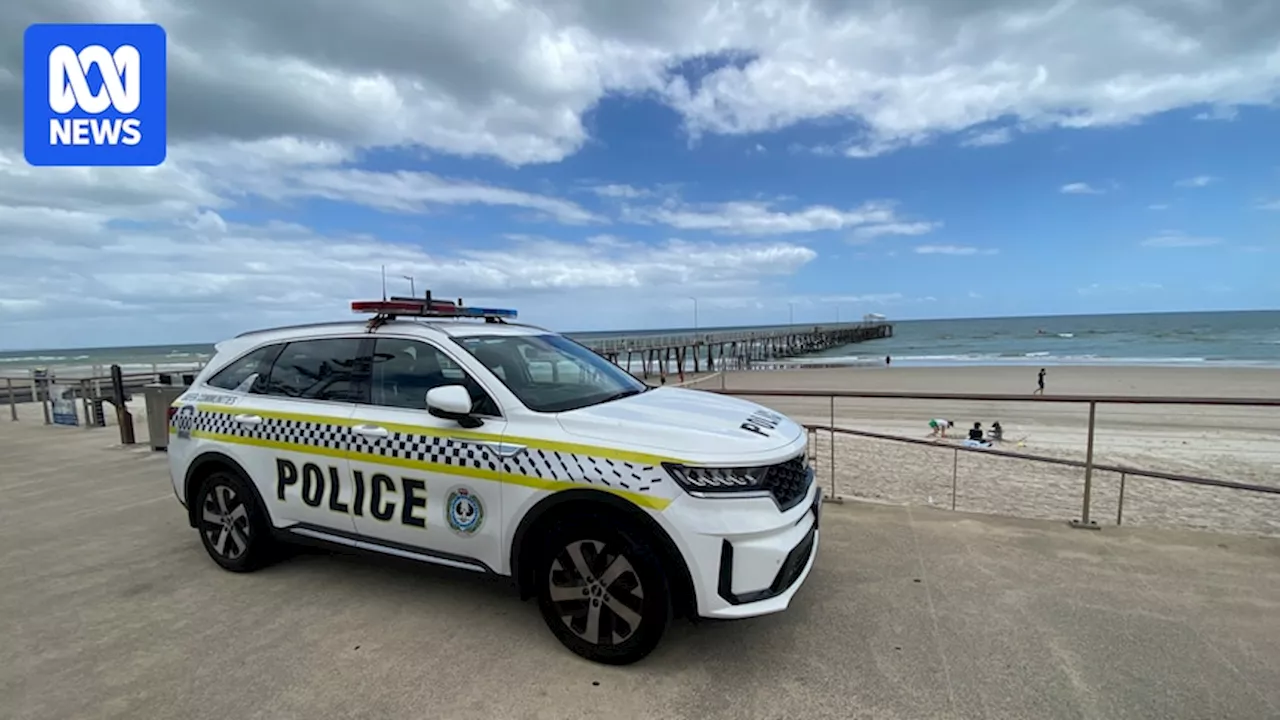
x=1244, y=338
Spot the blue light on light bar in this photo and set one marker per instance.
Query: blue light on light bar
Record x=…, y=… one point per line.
x=486, y=312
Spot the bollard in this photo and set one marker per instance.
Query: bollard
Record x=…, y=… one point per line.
x=1084, y=523
x=13, y=402
x=123, y=417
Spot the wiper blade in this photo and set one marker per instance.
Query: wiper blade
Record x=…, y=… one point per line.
x=619, y=395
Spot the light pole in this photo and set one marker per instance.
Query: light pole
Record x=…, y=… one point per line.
x=413, y=291
x=791, y=313
x=695, y=312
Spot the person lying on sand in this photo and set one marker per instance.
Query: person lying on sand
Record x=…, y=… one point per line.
x=938, y=427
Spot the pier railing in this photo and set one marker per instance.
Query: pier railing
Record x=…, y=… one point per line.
x=1089, y=466
x=692, y=338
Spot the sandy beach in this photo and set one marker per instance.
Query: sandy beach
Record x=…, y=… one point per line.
x=1227, y=443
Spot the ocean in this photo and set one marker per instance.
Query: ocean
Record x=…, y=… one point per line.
x=1217, y=338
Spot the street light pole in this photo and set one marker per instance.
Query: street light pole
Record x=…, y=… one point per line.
x=413, y=291
x=791, y=313
x=695, y=312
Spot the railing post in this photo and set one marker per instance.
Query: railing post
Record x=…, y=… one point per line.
x=1120, y=505
x=13, y=402
x=833, y=447
x=955, y=467
x=1084, y=522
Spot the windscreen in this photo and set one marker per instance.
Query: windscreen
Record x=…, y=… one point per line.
x=551, y=373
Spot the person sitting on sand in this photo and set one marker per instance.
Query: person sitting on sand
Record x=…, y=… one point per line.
x=996, y=433
x=938, y=427
x=975, y=432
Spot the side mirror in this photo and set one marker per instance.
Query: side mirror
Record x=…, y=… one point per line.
x=452, y=402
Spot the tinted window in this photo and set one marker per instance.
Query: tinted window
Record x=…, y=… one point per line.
x=551, y=373
x=243, y=371
x=404, y=370
x=317, y=370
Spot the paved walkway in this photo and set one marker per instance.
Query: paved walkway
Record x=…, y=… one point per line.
x=109, y=608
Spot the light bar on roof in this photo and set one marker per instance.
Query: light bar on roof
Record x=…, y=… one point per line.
x=414, y=307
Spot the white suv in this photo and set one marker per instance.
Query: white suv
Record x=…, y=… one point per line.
x=498, y=448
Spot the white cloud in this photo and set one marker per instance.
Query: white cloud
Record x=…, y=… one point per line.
x=953, y=250
x=987, y=138
x=222, y=275
x=869, y=232
x=1079, y=188
x=1173, y=239
x=514, y=80
x=619, y=191
x=759, y=217
x=1223, y=113
x=1158, y=206
x=1269, y=205
x=1198, y=181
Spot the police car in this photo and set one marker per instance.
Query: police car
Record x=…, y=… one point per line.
x=452, y=435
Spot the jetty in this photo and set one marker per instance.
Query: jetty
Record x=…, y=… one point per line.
x=728, y=348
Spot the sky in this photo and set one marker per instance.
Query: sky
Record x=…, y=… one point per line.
x=610, y=164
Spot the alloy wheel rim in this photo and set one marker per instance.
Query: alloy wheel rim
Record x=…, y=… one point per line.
x=596, y=592
x=224, y=520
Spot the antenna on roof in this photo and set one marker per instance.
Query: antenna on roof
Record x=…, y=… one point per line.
x=384, y=282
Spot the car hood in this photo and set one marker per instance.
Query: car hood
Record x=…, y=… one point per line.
x=692, y=425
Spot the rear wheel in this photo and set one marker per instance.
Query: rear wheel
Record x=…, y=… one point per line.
x=233, y=527
x=601, y=591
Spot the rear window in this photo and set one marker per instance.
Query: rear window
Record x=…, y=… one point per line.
x=326, y=369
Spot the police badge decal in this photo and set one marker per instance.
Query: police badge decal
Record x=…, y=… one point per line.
x=464, y=511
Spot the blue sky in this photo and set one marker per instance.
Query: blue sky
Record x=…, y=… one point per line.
x=948, y=176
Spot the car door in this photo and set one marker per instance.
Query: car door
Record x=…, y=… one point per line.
x=432, y=488
x=297, y=418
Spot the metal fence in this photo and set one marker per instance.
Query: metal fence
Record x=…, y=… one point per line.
x=1089, y=466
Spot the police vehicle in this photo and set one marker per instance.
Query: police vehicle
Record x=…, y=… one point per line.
x=452, y=435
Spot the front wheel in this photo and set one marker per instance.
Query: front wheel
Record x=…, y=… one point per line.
x=602, y=592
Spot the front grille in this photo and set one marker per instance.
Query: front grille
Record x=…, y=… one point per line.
x=789, y=481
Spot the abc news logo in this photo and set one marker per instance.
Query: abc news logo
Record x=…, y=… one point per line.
x=94, y=94
x=69, y=89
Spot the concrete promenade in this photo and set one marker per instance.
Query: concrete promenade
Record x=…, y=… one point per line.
x=109, y=608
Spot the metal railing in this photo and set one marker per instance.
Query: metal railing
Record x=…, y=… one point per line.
x=1088, y=465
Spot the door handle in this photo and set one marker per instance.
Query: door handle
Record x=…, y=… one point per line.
x=248, y=419
x=372, y=431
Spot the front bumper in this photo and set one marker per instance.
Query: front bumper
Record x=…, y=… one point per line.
x=746, y=558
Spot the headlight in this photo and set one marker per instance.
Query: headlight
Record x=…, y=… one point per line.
x=717, y=479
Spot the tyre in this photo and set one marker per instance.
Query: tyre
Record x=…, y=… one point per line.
x=601, y=590
x=233, y=527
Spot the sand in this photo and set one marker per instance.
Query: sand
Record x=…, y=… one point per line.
x=1236, y=444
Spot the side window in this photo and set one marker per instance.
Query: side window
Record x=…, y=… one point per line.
x=404, y=370
x=250, y=368
x=317, y=370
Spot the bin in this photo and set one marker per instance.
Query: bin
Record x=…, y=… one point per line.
x=158, y=398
